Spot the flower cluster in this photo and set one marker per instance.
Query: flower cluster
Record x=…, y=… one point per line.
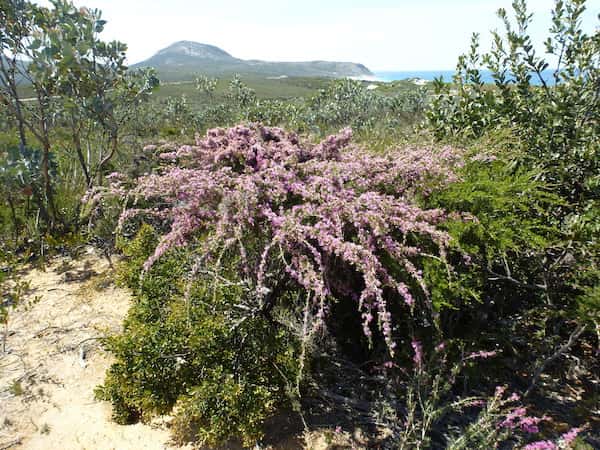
x=564, y=442
x=518, y=418
x=330, y=217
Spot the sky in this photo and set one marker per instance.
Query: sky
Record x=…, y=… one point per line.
x=382, y=34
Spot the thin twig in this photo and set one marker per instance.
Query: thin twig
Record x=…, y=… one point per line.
x=561, y=350
x=73, y=347
x=498, y=276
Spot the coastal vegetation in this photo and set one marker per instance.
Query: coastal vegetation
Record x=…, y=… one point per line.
x=419, y=262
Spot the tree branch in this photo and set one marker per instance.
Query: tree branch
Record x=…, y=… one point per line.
x=560, y=351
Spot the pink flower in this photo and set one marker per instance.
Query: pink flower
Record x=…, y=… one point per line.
x=541, y=445
x=418, y=357
x=518, y=419
x=514, y=397
x=568, y=438
x=529, y=424
x=332, y=214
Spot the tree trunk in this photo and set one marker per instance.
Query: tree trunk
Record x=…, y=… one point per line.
x=48, y=184
x=15, y=220
x=114, y=142
x=82, y=163
x=21, y=126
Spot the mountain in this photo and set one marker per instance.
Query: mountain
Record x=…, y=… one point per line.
x=184, y=58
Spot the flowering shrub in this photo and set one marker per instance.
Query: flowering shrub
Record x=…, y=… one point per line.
x=263, y=242
x=329, y=218
x=429, y=419
x=254, y=222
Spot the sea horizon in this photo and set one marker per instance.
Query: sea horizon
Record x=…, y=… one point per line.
x=447, y=75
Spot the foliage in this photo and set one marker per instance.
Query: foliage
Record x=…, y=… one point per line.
x=555, y=124
x=240, y=94
x=557, y=121
x=21, y=181
x=181, y=351
x=79, y=84
x=380, y=113
x=503, y=243
x=206, y=86
x=291, y=211
x=350, y=103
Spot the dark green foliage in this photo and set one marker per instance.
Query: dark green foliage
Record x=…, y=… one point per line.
x=510, y=209
x=222, y=407
x=498, y=242
x=555, y=127
x=184, y=352
x=21, y=184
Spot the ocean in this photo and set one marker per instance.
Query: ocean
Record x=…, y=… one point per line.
x=447, y=75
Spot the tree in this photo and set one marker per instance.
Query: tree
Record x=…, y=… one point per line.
x=206, y=86
x=77, y=80
x=16, y=26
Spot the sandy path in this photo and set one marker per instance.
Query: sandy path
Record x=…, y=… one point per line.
x=54, y=361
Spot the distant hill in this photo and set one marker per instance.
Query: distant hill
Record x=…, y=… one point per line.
x=184, y=58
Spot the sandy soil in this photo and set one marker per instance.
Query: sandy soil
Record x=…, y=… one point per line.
x=53, y=362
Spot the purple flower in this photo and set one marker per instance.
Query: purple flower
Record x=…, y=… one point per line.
x=541, y=445
x=418, y=357
x=329, y=217
x=568, y=438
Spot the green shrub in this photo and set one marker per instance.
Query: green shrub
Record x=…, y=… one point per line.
x=504, y=229
x=181, y=350
x=555, y=120
x=557, y=117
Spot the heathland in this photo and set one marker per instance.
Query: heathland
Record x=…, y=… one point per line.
x=278, y=255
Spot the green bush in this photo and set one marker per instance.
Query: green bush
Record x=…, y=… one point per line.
x=498, y=244
x=181, y=350
x=555, y=120
x=557, y=117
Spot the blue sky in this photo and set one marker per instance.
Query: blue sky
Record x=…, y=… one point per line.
x=382, y=34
